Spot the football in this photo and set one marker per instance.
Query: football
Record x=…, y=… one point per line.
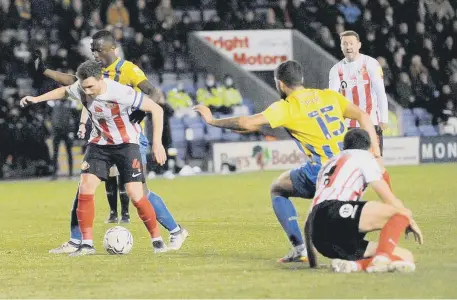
x=118, y=240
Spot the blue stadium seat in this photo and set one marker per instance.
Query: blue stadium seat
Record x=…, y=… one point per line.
x=231, y=136
x=213, y=134
x=428, y=130
x=412, y=131
x=425, y=118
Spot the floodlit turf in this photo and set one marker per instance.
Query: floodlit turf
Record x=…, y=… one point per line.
x=232, y=249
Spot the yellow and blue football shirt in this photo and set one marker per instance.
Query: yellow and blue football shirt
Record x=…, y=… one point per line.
x=314, y=119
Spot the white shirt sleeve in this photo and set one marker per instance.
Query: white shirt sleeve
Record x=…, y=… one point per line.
x=334, y=79
x=74, y=92
x=370, y=168
x=377, y=83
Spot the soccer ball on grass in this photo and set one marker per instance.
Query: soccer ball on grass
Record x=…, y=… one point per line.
x=118, y=240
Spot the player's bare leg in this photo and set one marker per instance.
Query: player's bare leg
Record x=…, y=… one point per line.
x=281, y=189
x=85, y=212
x=393, y=222
x=146, y=213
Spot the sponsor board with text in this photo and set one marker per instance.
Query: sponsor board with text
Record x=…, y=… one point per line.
x=254, y=50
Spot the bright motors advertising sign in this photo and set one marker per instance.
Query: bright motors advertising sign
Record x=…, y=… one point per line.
x=254, y=50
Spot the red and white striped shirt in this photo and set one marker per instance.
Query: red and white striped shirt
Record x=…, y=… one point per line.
x=362, y=82
x=346, y=176
x=110, y=112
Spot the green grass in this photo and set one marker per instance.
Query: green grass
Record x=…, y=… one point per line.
x=232, y=249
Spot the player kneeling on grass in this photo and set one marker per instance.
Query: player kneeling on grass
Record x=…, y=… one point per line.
x=338, y=221
x=113, y=142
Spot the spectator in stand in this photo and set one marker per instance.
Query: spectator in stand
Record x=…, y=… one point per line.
x=425, y=91
x=437, y=75
x=214, y=24
x=339, y=28
x=367, y=23
x=440, y=10
x=210, y=95
x=453, y=32
x=326, y=41
x=388, y=76
x=387, y=23
x=350, y=11
x=283, y=13
x=24, y=10
x=328, y=13
x=118, y=15
x=419, y=35
x=303, y=16
x=183, y=28
x=144, y=22
x=453, y=85
x=178, y=98
x=448, y=51
x=451, y=67
x=136, y=49
x=404, y=90
x=417, y=68
x=427, y=50
x=404, y=37
x=118, y=33
x=271, y=22
x=231, y=95
x=94, y=23
x=164, y=10
x=250, y=22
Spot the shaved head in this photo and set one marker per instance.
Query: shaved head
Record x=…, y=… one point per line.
x=103, y=46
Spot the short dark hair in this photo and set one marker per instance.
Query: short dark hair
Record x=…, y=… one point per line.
x=105, y=35
x=357, y=138
x=290, y=73
x=350, y=33
x=89, y=68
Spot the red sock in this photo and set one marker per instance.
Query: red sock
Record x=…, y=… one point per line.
x=386, y=177
x=363, y=263
x=85, y=213
x=148, y=215
x=390, y=234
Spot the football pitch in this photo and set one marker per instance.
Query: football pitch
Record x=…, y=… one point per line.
x=232, y=249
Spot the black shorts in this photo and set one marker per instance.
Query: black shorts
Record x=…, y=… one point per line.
x=380, y=137
x=335, y=229
x=100, y=158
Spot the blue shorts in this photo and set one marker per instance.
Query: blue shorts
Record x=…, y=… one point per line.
x=304, y=180
x=144, y=147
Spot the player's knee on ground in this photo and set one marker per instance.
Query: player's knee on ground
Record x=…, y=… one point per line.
x=88, y=184
x=134, y=191
x=376, y=214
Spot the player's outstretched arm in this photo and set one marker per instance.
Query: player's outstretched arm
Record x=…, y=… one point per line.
x=355, y=113
x=242, y=123
x=62, y=78
x=40, y=67
x=157, y=124
x=57, y=94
